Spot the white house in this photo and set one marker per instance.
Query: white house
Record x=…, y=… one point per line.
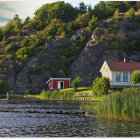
x=119, y=73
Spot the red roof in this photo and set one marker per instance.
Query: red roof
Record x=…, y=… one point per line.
x=121, y=66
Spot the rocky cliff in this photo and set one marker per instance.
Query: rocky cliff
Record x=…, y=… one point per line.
x=105, y=43
x=100, y=48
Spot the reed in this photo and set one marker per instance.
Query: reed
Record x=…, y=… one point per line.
x=57, y=95
x=125, y=105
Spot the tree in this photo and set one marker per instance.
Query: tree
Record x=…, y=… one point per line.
x=131, y=13
x=93, y=22
x=82, y=20
x=82, y=7
x=59, y=10
x=116, y=15
x=76, y=83
x=101, y=86
x=135, y=77
x=11, y=47
x=1, y=37
x=7, y=29
x=26, y=20
x=89, y=8
x=17, y=23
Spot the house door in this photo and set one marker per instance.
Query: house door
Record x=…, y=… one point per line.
x=60, y=85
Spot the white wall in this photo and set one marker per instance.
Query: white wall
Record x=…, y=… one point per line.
x=121, y=83
x=107, y=73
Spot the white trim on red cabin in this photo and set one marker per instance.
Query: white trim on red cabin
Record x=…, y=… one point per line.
x=58, y=79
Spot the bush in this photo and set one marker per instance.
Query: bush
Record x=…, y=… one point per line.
x=135, y=77
x=116, y=15
x=25, y=43
x=101, y=86
x=82, y=20
x=93, y=22
x=24, y=53
x=11, y=47
x=131, y=13
x=76, y=83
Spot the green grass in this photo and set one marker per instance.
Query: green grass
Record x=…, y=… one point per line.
x=85, y=88
x=122, y=105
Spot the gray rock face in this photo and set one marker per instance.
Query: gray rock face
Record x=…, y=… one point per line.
x=31, y=82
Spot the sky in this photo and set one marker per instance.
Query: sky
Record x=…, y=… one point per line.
x=24, y=8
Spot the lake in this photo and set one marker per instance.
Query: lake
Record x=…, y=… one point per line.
x=18, y=122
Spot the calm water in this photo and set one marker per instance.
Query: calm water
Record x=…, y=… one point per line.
x=23, y=124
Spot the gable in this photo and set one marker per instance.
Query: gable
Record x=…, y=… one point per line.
x=105, y=67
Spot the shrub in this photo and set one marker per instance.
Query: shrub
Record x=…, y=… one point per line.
x=11, y=47
x=76, y=83
x=131, y=13
x=25, y=43
x=24, y=53
x=82, y=20
x=93, y=22
x=116, y=15
x=135, y=77
x=101, y=86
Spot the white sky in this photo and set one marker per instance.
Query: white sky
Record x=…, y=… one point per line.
x=26, y=8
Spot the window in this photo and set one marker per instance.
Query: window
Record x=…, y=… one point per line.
x=118, y=76
x=125, y=76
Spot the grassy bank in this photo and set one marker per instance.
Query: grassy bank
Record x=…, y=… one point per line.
x=121, y=105
x=83, y=93
x=53, y=95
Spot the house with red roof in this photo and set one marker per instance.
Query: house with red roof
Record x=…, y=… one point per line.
x=119, y=73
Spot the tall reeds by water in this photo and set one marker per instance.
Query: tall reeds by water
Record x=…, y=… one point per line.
x=123, y=105
x=57, y=95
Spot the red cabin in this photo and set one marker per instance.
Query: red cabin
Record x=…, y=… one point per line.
x=58, y=83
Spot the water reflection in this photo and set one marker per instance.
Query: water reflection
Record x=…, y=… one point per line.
x=58, y=125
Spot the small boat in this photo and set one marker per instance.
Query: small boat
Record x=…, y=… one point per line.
x=6, y=99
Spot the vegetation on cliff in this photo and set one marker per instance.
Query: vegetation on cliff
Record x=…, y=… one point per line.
x=58, y=33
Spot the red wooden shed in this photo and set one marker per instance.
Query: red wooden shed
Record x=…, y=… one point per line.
x=58, y=83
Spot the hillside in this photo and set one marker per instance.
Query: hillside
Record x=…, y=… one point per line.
x=53, y=45
x=111, y=40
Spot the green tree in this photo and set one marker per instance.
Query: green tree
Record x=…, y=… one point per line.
x=82, y=7
x=76, y=83
x=11, y=47
x=101, y=86
x=59, y=10
x=131, y=13
x=17, y=24
x=26, y=20
x=24, y=53
x=25, y=43
x=1, y=36
x=93, y=22
x=82, y=20
x=116, y=15
x=7, y=29
x=135, y=77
